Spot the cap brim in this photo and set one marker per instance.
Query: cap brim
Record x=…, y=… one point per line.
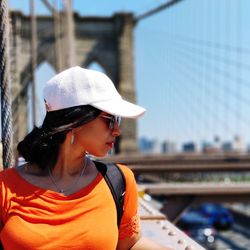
x=121, y=108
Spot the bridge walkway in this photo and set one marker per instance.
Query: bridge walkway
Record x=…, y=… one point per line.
x=155, y=226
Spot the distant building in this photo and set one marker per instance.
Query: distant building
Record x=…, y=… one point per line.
x=189, y=147
x=207, y=147
x=227, y=146
x=156, y=147
x=238, y=144
x=169, y=147
x=217, y=143
x=248, y=148
x=145, y=145
x=150, y=145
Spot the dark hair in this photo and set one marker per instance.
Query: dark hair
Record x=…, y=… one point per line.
x=41, y=145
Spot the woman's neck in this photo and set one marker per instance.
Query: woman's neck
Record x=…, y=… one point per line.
x=70, y=161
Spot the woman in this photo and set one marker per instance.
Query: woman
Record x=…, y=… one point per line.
x=58, y=199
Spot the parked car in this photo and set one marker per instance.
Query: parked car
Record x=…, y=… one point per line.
x=217, y=214
x=198, y=228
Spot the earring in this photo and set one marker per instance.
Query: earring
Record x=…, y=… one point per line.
x=72, y=137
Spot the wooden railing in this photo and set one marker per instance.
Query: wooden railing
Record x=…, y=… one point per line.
x=189, y=162
x=182, y=194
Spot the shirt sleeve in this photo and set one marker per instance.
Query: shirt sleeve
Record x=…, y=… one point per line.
x=1, y=199
x=6, y=179
x=130, y=222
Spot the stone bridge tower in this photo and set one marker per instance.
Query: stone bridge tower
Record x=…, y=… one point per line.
x=107, y=41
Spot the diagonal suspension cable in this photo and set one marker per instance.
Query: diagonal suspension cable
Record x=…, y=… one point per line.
x=156, y=10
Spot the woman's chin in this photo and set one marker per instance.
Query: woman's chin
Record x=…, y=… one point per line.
x=99, y=154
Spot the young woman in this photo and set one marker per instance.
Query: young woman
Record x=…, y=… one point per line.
x=58, y=199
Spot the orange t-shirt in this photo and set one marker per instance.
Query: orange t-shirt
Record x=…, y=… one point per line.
x=36, y=218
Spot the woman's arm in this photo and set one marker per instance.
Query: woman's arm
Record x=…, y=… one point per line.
x=146, y=244
x=128, y=243
x=139, y=243
x=129, y=230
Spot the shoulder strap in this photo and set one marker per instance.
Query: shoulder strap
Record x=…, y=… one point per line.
x=115, y=180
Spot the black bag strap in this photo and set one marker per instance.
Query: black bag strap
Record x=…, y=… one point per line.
x=116, y=182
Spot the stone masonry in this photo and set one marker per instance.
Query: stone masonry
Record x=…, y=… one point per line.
x=107, y=41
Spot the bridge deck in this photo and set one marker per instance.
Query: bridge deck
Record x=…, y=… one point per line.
x=156, y=227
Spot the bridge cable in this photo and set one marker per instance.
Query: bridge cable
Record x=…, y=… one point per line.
x=6, y=113
x=156, y=10
x=33, y=59
x=216, y=61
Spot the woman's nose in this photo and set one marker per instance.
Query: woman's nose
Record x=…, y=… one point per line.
x=116, y=131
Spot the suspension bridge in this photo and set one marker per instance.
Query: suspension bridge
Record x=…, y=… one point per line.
x=197, y=91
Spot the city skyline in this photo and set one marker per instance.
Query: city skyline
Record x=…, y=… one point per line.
x=216, y=145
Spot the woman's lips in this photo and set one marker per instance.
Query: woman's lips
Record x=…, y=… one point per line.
x=110, y=144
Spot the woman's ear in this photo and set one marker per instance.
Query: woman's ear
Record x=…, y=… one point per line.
x=72, y=137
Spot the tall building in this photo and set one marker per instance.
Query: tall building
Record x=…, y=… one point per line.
x=149, y=145
x=189, y=147
x=238, y=144
x=145, y=145
x=169, y=147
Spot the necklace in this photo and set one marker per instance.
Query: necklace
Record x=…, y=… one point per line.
x=61, y=190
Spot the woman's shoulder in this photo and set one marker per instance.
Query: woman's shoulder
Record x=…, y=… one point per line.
x=125, y=169
x=129, y=175
x=7, y=174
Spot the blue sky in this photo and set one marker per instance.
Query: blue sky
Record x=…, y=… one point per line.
x=191, y=66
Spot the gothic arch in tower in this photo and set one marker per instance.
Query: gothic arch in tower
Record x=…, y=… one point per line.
x=105, y=40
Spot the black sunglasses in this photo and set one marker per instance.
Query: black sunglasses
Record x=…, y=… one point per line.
x=113, y=120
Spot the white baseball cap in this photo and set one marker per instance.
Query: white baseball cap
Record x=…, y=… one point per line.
x=78, y=86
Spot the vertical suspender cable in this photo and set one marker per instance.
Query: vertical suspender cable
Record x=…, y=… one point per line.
x=5, y=86
x=33, y=59
x=58, y=34
x=70, y=34
x=58, y=38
